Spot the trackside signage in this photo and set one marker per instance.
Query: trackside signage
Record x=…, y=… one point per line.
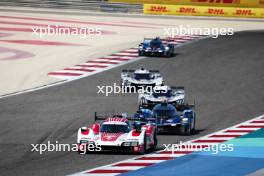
x=158, y=9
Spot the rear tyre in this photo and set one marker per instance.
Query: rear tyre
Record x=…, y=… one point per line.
x=82, y=151
x=172, y=53
x=155, y=140
x=167, y=54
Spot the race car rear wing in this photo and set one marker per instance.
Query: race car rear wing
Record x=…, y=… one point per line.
x=182, y=107
x=177, y=88
x=107, y=115
x=132, y=71
x=115, y=115
x=146, y=38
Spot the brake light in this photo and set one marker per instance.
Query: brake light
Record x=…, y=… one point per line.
x=135, y=133
x=85, y=131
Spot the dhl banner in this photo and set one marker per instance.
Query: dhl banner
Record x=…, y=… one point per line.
x=217, y=3
x=159, y=9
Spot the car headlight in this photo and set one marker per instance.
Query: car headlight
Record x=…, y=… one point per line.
x=185, y=119
x=167, y=48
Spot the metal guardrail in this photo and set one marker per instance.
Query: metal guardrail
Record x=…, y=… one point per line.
x=94, y=5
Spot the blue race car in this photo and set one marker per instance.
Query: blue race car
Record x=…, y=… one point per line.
x=170, y=118
x=155, y=47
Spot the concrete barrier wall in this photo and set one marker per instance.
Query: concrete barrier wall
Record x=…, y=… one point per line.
x=94, y=5
x=216, y=3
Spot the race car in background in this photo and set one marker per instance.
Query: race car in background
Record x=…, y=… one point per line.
x=141, y=77
x=170, y=118
x=161, y=93
x=118, y=133
x=155, y=47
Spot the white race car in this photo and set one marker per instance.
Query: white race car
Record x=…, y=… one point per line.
x=118, y=133
x=141, y=77
x=159, y=94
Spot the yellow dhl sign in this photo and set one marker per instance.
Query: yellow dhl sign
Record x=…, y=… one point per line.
x=217, y=3
x=159, y=9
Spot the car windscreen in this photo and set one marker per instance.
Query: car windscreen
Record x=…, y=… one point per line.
x=141, y=76
x=162, y=93
x=114, y=128
x=155, y=44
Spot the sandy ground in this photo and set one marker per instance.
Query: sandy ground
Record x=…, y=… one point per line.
x=121, y=32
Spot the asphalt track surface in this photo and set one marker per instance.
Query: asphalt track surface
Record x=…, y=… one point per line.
x=225, y=76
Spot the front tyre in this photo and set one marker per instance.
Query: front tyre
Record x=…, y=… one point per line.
x=144, y=147
x=140, y=53
x=193, y=129
x=186, y=130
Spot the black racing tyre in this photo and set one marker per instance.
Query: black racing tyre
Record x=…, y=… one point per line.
x=172, y=53
x=185, y=130
x=144, y=146
x=193, y=129
x=82, y=152
x=155, y=140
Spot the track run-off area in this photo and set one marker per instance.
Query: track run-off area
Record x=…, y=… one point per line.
x=224, y=75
